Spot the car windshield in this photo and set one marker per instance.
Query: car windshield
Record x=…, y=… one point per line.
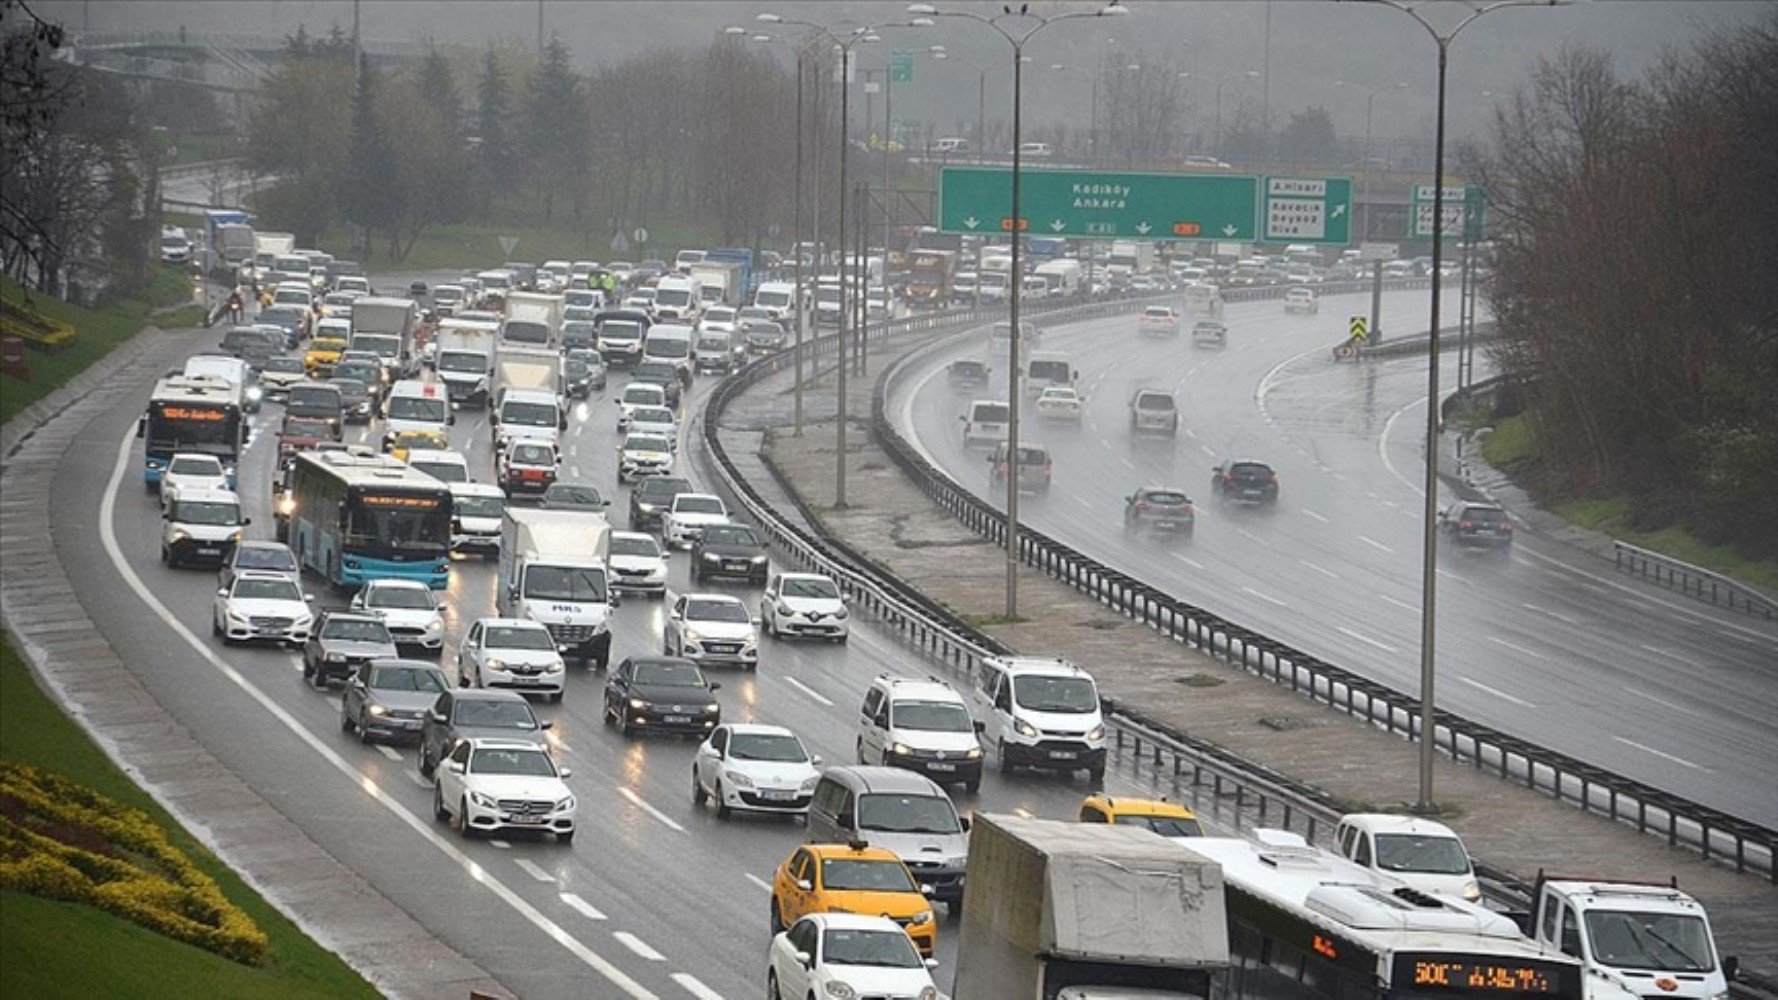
x=1165, y=498
x=1668, y=942
x=518, y=637
x=564, y=583
x=350, y=389
x=662, y=673
x=930, y=716
x=667, y=347
x=647, y=443
x=658, y=372
x=810, y=588
x=574, y=368
x=697, y=505
x=1055, y=371
x=532, y=454
x=195, y=466
x=716, y=611
x=283, y=366
x=1166, y=826
x=264, y=557
x=636, y=545
x=652, y=415
x=643, y=395
x=713, y=344
x=1251, y=470
x=890, y=949
x=355, y=630
x=1069, y=695
x=431, y=410
x=730, y=534
x=778, y=747
x=495, y=714
x=1154, y=402
x=359, y=371
x=480, y=506
x=528, y=414
x=1158, y=313
x=249, y=589
x=619, y=330
x=206, y=512
x=444, y=472
x=306, y=427
x=1482, y=515
x=995, y=413
x=1408, y=852
x=415, y=598
x=672, y=296
x=511, y=760
x=423, y=679
x=524, y=332
x=462, y=361
x=907, y=814
x=877, y=875
x=663, y=487
x=564, y=495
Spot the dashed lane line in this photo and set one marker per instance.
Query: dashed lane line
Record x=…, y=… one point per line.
x=1373, y=543
x=637, y=945
x=1265, y=597
x=1324, y=571
x=389, y=752
x=1557, y=615
x=636, y=800
x=811, y=692
x=1515, y=647
x=1664, y=703
x=1496, y=692
x=695, y=988
x=581, y=906
x=1663, y=755
x=532, y=869
x=756, y=880
x=1316, y=516
x=1361, y=637
x=1405, y=606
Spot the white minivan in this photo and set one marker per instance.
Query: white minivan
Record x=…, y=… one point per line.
x=1040, y=713
x=921, y=725
x=985, y=422
x=1419, y=853
x=414, y=405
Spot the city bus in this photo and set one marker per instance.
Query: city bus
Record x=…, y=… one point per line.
x=357, y=515
x=1306, y=924
x=192, y=413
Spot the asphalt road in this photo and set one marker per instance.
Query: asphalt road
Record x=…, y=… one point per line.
x=1547, y=643
x=654, y=898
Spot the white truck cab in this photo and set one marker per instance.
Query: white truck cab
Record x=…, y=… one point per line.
x=476, y=511
x=1643, y=939
x=553, y=571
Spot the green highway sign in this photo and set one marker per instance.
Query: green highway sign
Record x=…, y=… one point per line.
x=901, y=66
x=1465, y=208
x=1100, y=205
x=1308, y=210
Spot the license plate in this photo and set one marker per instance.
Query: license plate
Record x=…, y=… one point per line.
x=676, y=720
x=209, y=550
x=736, y=565
x=268, y=631
x=527, y=820
x=410, y=723
x=1062, y=755
x=943, y=767
x=773, y=795
x=525, y=680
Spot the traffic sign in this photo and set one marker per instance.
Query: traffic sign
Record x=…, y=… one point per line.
x=640, y=235
x=507, y=243
x=1308, y=209
x=620, y=243
x=1465, y=208
x=1359, y=327
x=1100, y=205
x=901, y=66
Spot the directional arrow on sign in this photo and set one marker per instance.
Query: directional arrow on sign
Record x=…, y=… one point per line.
x=1338, y=210
x=1229, y=230
x=1057, y=225
x=972, y=222
x=1143, y=228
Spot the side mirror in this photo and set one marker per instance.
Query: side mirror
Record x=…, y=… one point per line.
x=963, y=821
x=456, y=766
x=309, y=598
x=716, y=687
x=436, y=716
x=676, y=616
x=805, y=885
x=844, y=821
x=547, y=724
x=245, y=521
x=1731, y=967
x=566, y=772
x=223, y=592
x=757, y=622
x=980, y=727
x=931, y=963
x=815, y=761
x=925, y=890
x=616, y=601
x=450, y=419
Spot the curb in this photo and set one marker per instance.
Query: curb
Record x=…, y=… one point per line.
x=98, y=690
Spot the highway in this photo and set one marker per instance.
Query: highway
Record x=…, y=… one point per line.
x=1546, y=644
x=654, y=898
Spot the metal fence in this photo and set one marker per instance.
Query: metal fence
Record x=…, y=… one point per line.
x=1692, y=581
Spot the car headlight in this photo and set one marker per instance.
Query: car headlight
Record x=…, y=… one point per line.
x=234, y=616
x=711, y=557
x=638, y=704
x=496, y=664
x=712, y=708
x=1096, y=734
x=759, y=560
x=237, y=536
x=554, y=668
x=841, y=614
x=900, y=749
x=287, y=504
x=485, y=801
x=566, y=805
x=377, y=710
x=840, y=991
x=255, y=392
x=692, y=635
x=737, y=779
x=180, y=534
x=302, y=621
x=1472, y=891
x=921, y=918
x=928, y=993
x=1024, y=728
x=334, y=657
x=973, y=753
x=810, y=782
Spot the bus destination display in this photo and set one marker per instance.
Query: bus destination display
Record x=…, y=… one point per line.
x=1488, y=976
x=201, y=414
x=400, y=501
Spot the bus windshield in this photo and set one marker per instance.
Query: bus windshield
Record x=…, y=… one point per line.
x=400, y=524
x=211, y=428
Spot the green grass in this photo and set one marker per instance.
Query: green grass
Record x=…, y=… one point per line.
x=1509, y=447
x=465, y=245
x=50, y=948
x=97, y=332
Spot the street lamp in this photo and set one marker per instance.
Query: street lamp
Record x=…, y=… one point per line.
x=1429, y=529
x=1016, y=225
x=1370, y=103
x=844, y=43
x=1249, y=74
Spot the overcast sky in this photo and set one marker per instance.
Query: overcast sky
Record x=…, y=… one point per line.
x=1314, y=44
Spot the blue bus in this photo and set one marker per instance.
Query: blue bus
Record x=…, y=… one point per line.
x=192, y=414
x=356, y=515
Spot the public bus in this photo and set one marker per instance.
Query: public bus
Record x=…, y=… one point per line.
x=357, y=515
x=1306, y=924
x=192, y=413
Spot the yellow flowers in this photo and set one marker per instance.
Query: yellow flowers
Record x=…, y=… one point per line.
x=64, y=841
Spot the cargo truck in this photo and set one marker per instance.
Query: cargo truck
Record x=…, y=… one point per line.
x=929, y=276
x=719, y=283
x=465, y=359
x=532, y=320
x=526, y=368
x=1129, y=258
x=743, y=258
x=386, y=327
x=1096, y=910
x=553, y=571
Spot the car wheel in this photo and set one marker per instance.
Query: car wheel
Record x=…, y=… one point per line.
x=319, y=680
x=1005, y=761
x=698, y=795
x=427, y=767
x=858, y=750
x=772, y=985
x=215, y=628
x=463, y=827
x=623, y=724
x=345, y=721
x=777, y=917
x=722, y=808
x=439, y=812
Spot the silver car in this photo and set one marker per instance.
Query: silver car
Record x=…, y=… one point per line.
x=388, y=699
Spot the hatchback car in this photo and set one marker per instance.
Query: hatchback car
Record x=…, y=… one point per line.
x=260, y=557
x=409, y=608
x=967, y=373
x=688, y=515
x=733, y=550
x=1158, y=321
x=1210, y=333
x=712, y=628
x=847, y=955
x=1154, y=411
x=1245, y=480
x=754, y=768
x=1161, y=510
x=512, y=653
x=1476, y=525
x=1169, y=819
x=1061, y=403
x=527, y=467
x=388, y=699
x=804, y=604
x=1034, y=467
x=490, y=785
x=661, y=694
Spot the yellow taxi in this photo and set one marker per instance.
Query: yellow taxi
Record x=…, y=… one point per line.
x=323, y=354
x=401, y=442
x=852, y=878
x=1169, y=819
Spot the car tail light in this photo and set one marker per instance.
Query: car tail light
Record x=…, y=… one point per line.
x=1142, y=505
x=1466, y=525
x=1274, y=479
x=1187, y=509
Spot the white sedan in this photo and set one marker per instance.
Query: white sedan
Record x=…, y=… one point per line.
x=1061, y=402
x=492, y=784
x=408, y=607
x=712, y=628
x=514, y=653
x=754, y=768
x=638, y=563
x=807, y=604
x=643, y=455
x=263, y=607
x=683, y=523
x=196, y=472
x=656, y=420
x=847, y=955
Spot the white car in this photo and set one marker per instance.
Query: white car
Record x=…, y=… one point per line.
x=1301, y=300
x=408, y=607
x=683, y=523
x=1158, y=321
x=807, y=604
x=847, y=955
x=196, y=473
x=656, y=420
x=637, y=394
x=712, y=628
x=1061, y=402
x=641, y=455
x=637, y=563
x=754, y=768
x=718, y=319
x=487, y=785
x=262, y=607
x=515, y=653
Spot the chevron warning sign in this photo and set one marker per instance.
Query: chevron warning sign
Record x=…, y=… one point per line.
x=1359, y=327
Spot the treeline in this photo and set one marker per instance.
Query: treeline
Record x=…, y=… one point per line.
x=510, y=135
x=1637, y=286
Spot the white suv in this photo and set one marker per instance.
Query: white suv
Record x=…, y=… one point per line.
x=921, y=725
x=1041, y=714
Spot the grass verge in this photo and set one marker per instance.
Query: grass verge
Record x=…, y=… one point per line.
x=465, y=246
x=97, y=332
x=50, y=948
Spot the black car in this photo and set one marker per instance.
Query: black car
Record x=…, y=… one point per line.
x=573, y=496
x=357, y=401
x=729, y=550
x=368, y=372
x=292, y=320
x=579, y=333
x=967, y=374
x=315, y=399
x=468, y=713
x=259, y=340
x=762, y=336
x=662, y=373
x=577, y=378
x=651, y=497
x=1245, y=480
x=341, y=642
x=661, y=694
x=1162, y=510
x=1476, y=525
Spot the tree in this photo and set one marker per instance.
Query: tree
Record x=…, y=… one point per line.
x=429, y=162
x=299, y=131
x=372, y=195
x=558, y=127
x=1309, y=138
x=494, y=155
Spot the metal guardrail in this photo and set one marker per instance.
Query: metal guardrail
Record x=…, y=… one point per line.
x=1692, y=581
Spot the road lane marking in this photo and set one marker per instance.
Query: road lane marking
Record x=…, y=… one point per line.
x=1661, y=701
x=1658, y=651
x=1244, y=533
x=1557, y=615
x=1496, y=692
x=1316, y=516
x=1663, y=755
x=1324, y=571
x=1383, y=447
x=574, y=470
x=756, y=880
x=695, y=988
x=1265, y=597
x=1189, y=561
x=1596, y=582
x=1343, y=630
x=530, y=868
x=497, y=842
x=1447, y=574
x=650, y=810
x=811, y=692
x=419, y=779
x=581, y=906
x=1373, y=543
x=638, y=946
x=1208, y=450
x=389, y=752
x=1515, y=647
x=425, y=828
x=1405, y=606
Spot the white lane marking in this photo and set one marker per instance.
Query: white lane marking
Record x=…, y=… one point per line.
x=1316, y=516
x=1244, y=533
x=1265, y=597
x=1208, y=450
x=1447, y=574
x=811, y=692
x=1383, y=447
x=1022, y=811
x=1405, y=606
x=1343, y=630
x=497, y=842
x=1715, y=623
x=419, y=779
x=1496, y=692
x=1557, y=615
x=1661, y=701
x=530, y=868
x=1515, y=647
x=1663, y=755
x=1324, y=571
x=1189, y=561
x=364, y=782
x=638, y=946
x=1373, y=543
x=695, y=988
x=650, y=810
x=389, y=751
x=756, y=880
x=574, y=470
x=581, y=906
x=1658, y=651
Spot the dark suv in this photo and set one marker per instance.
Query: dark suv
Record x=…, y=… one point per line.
x=341, y=642
x=967, y=373
x=651, y=497
x=729, y=550
x=1246, y=480
x=1162, y=510
x=1476, y=525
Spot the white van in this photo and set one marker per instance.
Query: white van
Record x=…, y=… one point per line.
x=777, y=298
x=200, y=525
x=985, y=422
x=1416, y=852
x=678, y=299
x=1046, y=368
x=920, y=725
x=1041, y=714
x=414, y=405
x=670, y=342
